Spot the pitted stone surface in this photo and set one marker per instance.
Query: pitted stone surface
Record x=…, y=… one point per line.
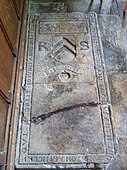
x=66, y=116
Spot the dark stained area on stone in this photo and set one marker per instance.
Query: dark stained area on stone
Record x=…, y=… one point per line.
x=45, y=116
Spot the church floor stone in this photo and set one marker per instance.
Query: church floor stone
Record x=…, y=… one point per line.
x=73, y=98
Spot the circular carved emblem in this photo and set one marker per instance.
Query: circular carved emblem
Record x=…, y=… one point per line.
x=64, y=76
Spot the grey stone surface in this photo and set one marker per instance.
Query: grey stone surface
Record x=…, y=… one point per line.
x=63, y=81
x=114, y=45
x=98, y=6
x=118, y=86
x=65, y=115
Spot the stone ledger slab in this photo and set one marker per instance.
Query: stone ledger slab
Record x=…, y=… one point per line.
x=65, y=117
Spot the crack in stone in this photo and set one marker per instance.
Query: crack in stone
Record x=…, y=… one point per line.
x=42, y=117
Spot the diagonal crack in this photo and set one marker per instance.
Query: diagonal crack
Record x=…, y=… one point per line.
x=42, y=117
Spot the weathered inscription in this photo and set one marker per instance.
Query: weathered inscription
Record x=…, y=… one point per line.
x=65, y=120
x=64, y=27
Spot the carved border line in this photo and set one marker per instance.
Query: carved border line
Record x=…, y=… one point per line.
x=102, y=85
x=26, y=95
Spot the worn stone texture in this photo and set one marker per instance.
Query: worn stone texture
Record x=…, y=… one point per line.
x=114, y=44
x=118, y=86
x=65, y=116
x=98, y=6
x=65, y=113
x=115, y=50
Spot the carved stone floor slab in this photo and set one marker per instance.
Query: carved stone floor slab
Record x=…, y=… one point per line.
x=65, y=118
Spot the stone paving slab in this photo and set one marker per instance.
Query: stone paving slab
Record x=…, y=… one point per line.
x=114, y=44
x=98, y=6
x=115, y=54
x=65, y=118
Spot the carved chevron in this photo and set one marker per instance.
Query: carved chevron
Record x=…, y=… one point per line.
x=64, y=50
